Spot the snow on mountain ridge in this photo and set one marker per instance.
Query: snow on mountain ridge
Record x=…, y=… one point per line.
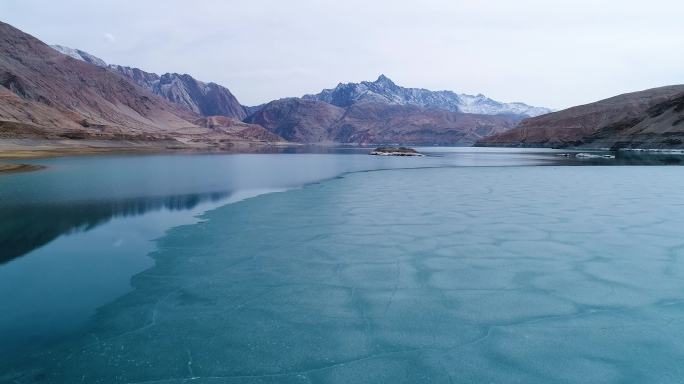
x=205, y=99
x=386, y=91
x=79, y=55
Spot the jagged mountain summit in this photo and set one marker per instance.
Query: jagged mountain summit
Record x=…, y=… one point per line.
x=384, y=90
x=206, y=99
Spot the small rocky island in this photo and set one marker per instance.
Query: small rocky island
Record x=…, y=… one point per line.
x=395, y=151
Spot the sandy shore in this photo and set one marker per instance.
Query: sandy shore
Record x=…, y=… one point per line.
x=36, y=149
x=32, y=149
x=18, y=154
x=12, y=168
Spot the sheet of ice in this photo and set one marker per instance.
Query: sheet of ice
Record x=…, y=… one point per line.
x=90, y=221
x=450, y=275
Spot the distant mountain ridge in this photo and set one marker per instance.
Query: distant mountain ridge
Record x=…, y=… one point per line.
x=206, y=99
x=384, y=90
x=35, y=96
x=366, y=112
x=313, y=121
x=381, y=112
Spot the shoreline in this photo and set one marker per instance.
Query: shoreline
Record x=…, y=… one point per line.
x=17, y=150
x=7, y=168
x=13, y=150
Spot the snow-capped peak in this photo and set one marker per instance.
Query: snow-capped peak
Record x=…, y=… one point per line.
x=386, y=91
x=382, y=79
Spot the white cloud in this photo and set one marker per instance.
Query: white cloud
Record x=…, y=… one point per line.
x=109, y=37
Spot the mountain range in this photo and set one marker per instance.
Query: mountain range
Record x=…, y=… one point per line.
x=64, y=94
x=365, y=113
x=383, y=90
x=303, y=120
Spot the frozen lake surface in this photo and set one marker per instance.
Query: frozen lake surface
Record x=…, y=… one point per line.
x=354, y=270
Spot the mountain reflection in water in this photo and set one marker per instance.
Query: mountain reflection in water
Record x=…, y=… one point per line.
x=27, y=227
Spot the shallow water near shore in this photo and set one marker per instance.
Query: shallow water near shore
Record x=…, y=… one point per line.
x=524, y=270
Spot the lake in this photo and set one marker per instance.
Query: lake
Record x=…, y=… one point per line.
x=328, y=265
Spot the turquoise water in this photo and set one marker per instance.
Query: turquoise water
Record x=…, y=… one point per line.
x=511, y=272
x=92, y=221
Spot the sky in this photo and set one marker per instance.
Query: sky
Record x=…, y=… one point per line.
x=545, y=53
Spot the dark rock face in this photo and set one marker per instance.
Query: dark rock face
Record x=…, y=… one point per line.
x=384, y=90
x=206, y=99
x=646, y=119
x=366, y=123
x=146, y=80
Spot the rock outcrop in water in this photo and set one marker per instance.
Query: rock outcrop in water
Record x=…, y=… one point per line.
x=652, y=118
x=395, y=151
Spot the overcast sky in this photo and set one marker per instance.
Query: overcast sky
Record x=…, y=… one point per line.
x=547, y=53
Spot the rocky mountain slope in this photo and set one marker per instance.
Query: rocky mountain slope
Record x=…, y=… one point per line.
x=384, y=90
x=206, y=99
x=653, y=118
x=223, y=127
x=313, y=121
x=298, y=120
x=46, y=94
